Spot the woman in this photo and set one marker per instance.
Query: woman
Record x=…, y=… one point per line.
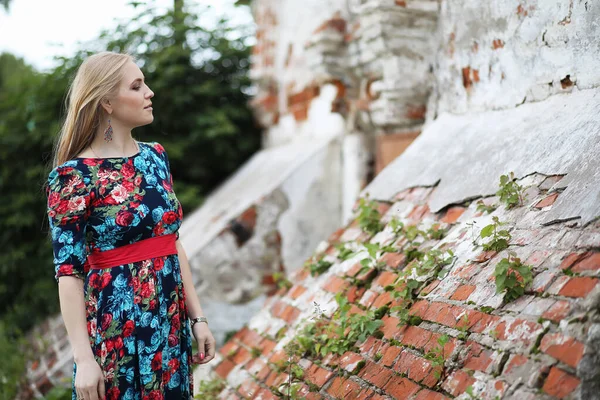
x=124, y=281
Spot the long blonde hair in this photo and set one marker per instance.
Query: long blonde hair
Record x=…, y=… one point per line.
x=97, y=77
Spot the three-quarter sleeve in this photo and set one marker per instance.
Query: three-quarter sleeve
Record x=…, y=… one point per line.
x=68, y=206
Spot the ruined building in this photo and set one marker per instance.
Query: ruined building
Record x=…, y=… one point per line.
x=447, y=281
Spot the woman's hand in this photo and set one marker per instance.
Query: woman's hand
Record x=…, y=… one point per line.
x=206, y=343
x=89, y=380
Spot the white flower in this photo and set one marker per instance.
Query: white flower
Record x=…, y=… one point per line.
x=119, y=193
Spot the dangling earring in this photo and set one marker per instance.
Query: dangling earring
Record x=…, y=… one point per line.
x=108, y=132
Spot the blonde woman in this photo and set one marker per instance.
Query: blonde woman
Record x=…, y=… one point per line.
x=124, y=281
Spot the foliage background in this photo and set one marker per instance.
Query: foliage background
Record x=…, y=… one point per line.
x=200, y=79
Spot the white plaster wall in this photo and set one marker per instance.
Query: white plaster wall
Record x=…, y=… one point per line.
x=313, y=192
x=544, y=41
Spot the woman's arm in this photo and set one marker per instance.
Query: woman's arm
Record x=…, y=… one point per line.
x=206, y=342
x=89, y=381
x=72, y=307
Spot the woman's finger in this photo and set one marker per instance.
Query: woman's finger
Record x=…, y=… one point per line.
x=101, y=389
x=201, y=350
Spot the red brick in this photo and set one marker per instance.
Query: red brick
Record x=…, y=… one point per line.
x=578, y=286
x=375, y=374
x=224, y=368
x=349, y=361
x=558, y=311
x=563, y=348
x=368, y=298
x=371, y=346
x=251, y=338
x=401, y=388
x=389, y=355
x=453, y=214
x=229, y=348
x=267, y=346
x=430, y=395
x=548, y=201
x=354, y=293
x=335, y=236
x=248, y=389
x=478, y=358
x=419, y=212
x=390, y=327
x=277, y=308
x=382, y=300
x=463, y=292
x=241, y=356
x=318, y=375
x=366, y=275
x=458, y=382
x=485, y=256
x=571, y=259
x=393, y=260
x=385, y=278
x=560, y=383
x=342, y=388
x=278, y=356
x=354, y=270
x=429, y=288
x=296, y=291
x=276, y=378
x=415, y=336
x=263, y=373
x=515, y=361
x=290, y=314
x=335, y=284
x=478, y=321
x=401, y=3
x=419, y=308
x=265, y=394
x=589, y=263
x=417, y=368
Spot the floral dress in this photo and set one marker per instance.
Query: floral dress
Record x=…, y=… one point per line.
x=136, y=313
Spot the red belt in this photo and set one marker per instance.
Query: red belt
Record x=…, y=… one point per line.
x=146, y=249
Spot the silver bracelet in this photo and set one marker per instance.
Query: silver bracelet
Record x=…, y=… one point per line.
x=198, y=319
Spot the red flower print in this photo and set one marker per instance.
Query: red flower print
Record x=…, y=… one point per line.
x=174, y=364
x=152, y=304
x=106, y=320
x=137, y=181
x=128, y=328
x=135, y=284
x=166, y=377
x=158, y=229
x=91, y=162
x=127, y=170
x=63, y=206
x=156, y=361
x=119, y=343
x=109, y=346
x=129, y=186
x=94, y=280
x=155, y=395
x=146, y=290
x=175, y=321
x=119, y=194
x=159, y=263
x=167, y=186
x=124, y=218
x=77, y=203
x=169, y=217
x=172, y=308
x=173, y=340
x=159, y=148
x=137, y=299
x=53, y=199
x=65, y=269
x=105, y=280
x=113, y=393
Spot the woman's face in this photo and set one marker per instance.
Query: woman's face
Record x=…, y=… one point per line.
x=132, y=106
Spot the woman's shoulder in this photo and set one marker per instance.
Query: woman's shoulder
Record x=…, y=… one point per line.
x=72, y=172
x=155, y=146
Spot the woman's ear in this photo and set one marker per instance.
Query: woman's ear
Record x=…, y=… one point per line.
x=106, y=105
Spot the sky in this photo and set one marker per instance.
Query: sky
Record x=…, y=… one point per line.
x=39, y=29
